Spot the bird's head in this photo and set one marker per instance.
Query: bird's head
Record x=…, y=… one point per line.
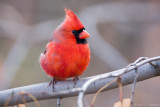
x=72, y=28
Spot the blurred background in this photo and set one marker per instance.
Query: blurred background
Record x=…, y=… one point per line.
x=121, y=31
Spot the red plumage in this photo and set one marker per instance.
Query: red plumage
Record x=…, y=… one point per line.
x=67, y=54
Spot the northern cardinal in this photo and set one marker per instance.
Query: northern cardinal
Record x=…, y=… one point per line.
x=67, y=54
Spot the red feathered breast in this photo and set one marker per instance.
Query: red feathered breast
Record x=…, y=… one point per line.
x=65, y=60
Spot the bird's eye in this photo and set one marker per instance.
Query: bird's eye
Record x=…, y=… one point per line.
x=75, y=33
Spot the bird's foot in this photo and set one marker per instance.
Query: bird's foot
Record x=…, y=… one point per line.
x=53, y=82
x=75, y=79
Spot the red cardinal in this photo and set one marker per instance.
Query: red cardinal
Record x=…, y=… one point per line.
x=67, y=54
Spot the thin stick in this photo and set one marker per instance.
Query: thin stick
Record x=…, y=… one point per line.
x=94, y=98
x=113, y=74
x=134, y=86
x=58, y=102
x=65, y=89
x=120, y=90
x=24, y=101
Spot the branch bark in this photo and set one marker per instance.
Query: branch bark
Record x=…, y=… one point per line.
x=65, y=89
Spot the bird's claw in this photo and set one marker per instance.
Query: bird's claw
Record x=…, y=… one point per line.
x=75, y=79
x=53, y=82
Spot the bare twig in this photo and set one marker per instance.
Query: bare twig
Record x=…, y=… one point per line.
x=134, y=86
x=120, y=90
x=136, y=76
x=58, y=102
x=135, y=79
x=94, y=98
x=112, y=74
x=21, y=96
x=65, y=88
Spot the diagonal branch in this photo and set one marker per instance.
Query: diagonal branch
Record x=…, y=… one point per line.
x=117, y=73
x=65, y=89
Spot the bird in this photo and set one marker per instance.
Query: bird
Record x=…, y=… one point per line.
x=67, y=54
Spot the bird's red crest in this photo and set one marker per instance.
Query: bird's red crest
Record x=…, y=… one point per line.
x=70, y=13
x=73, y=20
x=67, y=54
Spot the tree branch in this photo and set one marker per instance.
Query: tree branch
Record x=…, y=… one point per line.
x=65, y=89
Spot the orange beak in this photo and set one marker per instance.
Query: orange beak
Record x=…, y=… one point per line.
x=84, y=34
